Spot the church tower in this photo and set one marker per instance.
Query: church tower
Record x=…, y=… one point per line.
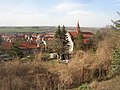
x=78, y=27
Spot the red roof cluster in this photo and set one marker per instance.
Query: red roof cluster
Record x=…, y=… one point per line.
x=6, y=45
x=28, y=45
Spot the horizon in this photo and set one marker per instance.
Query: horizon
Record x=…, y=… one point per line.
x=90, y=13
x=45, y=26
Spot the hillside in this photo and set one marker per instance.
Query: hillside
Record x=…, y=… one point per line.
x=40, y=73
x=112, y=84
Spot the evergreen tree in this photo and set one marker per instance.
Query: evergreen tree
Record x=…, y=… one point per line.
x=58, y=33
x=79, y=41
x=1, y=40
x=15, y=51
x=61, y=41
x=64, y=36
x=116, y=23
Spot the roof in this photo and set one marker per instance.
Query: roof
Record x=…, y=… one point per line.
x=28, y=45
x=85, y=34
x=73, y=34
x=6, y=45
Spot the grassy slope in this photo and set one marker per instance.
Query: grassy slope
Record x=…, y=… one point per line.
x=112, y=84
x=81, y=68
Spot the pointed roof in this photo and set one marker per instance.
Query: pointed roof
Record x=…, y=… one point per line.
x=78, y=27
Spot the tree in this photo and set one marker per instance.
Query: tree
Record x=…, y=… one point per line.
x=58, y=33
x=64, y=36
x=115, y=64
x=116, y=24
x=15, y=51
x=59, y=45
x=1, y=40
x=79, y=42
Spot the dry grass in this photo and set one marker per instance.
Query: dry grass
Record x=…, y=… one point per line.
x=40, y=75
x=112, y=84
x=93, y=85
x=26, y=76
x=85, y=67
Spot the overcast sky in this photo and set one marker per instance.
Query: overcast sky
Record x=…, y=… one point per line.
x=91, y=13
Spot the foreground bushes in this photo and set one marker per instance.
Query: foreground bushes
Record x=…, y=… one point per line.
x=115, y=65
x=83, y=68
x=17, y=76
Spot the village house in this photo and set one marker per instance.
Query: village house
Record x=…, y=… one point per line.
x=28, y=44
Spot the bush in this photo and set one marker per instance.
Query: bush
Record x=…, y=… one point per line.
x=45, y=57
x=27, y=76
x=115, y=65
x=84, y=87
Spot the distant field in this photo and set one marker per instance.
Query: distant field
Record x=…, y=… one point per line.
x=41, y=29
x=27, y=29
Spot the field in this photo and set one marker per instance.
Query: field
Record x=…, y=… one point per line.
x=41, y=29
x=27, y=29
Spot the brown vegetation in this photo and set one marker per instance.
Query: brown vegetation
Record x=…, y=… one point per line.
x=51, y=75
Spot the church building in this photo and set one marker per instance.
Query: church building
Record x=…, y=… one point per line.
x=72, y=35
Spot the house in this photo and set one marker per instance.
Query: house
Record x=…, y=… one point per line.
x=25, y=47
x=28, y=48
x=6, y=45
x=47, y=37
x=72, y=35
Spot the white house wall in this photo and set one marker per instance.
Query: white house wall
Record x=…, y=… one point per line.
x=71, y=44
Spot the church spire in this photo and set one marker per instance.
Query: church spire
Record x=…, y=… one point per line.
x=78, y=27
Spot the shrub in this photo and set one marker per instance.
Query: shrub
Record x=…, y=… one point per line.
x=84, y=87
x=115, y=65
x=45, y=57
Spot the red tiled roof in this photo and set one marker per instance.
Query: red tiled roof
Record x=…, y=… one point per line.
x=87, y=34
x=28, y=45
x=6, y=45
x=73, y=34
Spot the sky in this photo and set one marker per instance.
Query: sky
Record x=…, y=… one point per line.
x=90, y=13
